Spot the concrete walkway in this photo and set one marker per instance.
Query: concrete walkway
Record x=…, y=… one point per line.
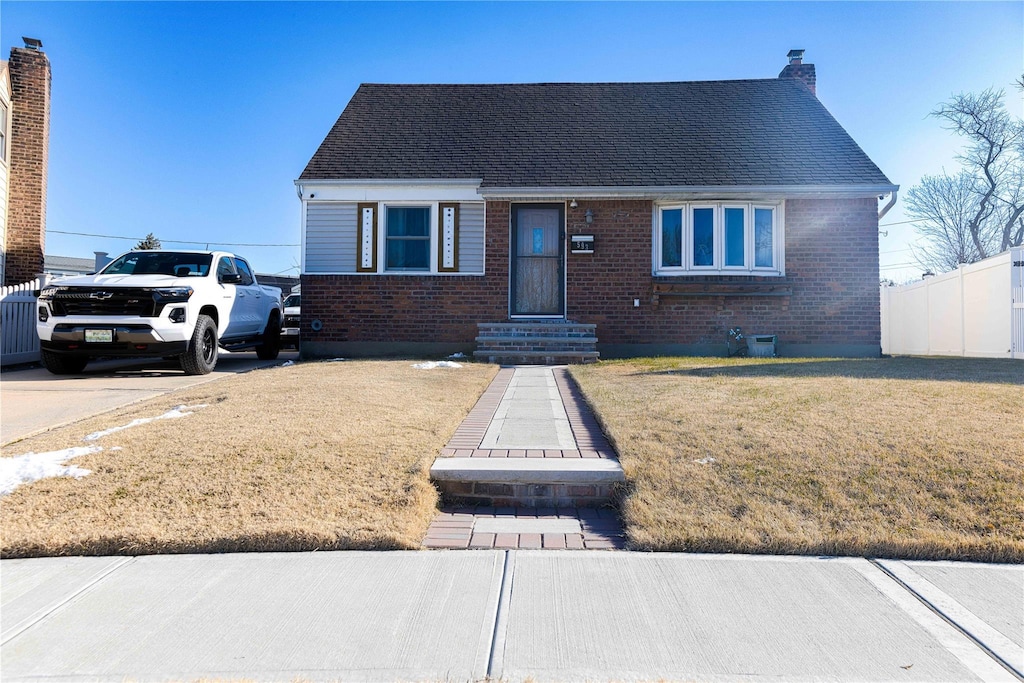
x=509, y=615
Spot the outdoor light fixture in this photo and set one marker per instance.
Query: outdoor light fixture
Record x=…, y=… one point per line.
x=573, y=204
x=589, y=216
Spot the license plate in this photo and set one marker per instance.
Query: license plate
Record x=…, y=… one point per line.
x=99, y=336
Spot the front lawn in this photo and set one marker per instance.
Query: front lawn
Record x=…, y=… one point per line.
x=901, y=457
x=314, y=456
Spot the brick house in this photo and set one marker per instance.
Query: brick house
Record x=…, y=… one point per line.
x=24, y=153
x=648, y=218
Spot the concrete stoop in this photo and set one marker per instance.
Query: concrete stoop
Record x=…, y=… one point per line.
x=527, y=482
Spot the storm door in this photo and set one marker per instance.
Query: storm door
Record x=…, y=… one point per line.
x=538, y=258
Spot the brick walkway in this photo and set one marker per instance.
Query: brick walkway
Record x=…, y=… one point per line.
x=526, y=528
x=590, y=441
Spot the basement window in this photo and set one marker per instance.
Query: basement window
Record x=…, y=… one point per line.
x=719, y=238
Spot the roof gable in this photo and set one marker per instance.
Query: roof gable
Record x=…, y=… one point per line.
x=700, y=133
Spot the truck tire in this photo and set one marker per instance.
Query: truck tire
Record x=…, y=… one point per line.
x=60, y=364
x=271, y=345
x=201, y=357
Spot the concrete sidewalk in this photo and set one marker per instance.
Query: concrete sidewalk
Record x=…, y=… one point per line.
x=467, y=615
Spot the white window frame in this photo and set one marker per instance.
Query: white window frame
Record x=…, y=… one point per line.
x=718, y=266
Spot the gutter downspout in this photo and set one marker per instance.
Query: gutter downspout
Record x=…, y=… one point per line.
x=892, y=203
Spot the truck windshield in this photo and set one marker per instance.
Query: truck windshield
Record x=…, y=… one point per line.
x=292, y=300
x=177, y=264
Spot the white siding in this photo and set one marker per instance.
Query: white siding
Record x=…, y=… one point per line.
x=471, y=238
x=331, y=238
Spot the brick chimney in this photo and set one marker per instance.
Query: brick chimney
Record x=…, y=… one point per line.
x=800, y=71
x=25, y=241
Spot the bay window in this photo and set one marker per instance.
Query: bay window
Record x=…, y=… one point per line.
x=725, y=238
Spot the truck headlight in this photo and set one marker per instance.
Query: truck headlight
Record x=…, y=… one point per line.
x=48, y=292
x=166, y=295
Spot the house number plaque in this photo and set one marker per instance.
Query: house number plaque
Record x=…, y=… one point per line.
x=582, y=244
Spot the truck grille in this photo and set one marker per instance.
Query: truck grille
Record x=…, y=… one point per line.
x=126, y=301
x=291, y=321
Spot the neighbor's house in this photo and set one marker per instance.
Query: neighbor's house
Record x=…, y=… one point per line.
x=24, y=152
x=654, y=217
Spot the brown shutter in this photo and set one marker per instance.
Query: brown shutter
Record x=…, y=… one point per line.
x=448, y=238
x=366, y=238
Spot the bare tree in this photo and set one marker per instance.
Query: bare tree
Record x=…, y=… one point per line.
x=945, y=206
x=150, y=242
x=979, y=211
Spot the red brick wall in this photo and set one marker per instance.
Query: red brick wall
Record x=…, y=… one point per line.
x=30, y=140
x=831, y=266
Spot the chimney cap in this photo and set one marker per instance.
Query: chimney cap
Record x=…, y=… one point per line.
x=796, y=56
x=32, y=43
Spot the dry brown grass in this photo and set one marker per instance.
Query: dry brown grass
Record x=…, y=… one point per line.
x=904, y=457
x=312, y=456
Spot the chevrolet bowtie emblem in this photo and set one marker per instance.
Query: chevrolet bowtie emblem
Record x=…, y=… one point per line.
x=101, y=295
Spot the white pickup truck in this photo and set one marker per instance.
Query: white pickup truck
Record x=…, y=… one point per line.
x=175, y=304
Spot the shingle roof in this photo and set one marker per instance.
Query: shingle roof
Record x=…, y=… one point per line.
x=699, y=133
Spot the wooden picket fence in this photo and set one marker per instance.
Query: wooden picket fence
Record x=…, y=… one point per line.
x=19, y=342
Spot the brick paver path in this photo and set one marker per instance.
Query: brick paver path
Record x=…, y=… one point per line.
x=457, y=528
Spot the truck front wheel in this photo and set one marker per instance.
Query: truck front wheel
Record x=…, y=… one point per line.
x=60, y=364
x=201, y=357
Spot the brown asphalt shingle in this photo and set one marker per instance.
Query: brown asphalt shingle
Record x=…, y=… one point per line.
x=745, y=132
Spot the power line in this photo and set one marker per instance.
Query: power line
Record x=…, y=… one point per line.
x=139, y=239
x=886, y=225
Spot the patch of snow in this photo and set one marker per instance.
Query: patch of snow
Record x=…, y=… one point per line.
x=458, y=354
x=335, y=360
x=287, y=363
x=706, y=461
x=30, y=467
x=430, y=365
x=174, y=413
x=116, y=448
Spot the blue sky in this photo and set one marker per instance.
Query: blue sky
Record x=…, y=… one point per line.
x=192, y=120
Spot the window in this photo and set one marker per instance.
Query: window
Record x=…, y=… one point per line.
x=3, y=132
x=243, y=270
x=719, y=238
x=407, y=238
x=672, y=237
x=224, y=267
x=181, y=264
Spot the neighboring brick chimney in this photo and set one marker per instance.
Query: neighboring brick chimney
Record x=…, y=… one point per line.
x=30, y=143
x=800, y=71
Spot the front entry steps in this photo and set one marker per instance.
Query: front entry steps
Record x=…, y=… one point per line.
x=536, y=342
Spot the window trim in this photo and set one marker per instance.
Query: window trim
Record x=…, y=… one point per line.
x=718, y=266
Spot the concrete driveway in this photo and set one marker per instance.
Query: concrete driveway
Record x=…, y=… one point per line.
x=32, y=400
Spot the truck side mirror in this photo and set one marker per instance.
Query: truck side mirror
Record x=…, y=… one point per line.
x=230, y=278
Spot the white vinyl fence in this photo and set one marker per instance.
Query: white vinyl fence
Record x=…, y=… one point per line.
x=19, y=342
x=975, y=310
